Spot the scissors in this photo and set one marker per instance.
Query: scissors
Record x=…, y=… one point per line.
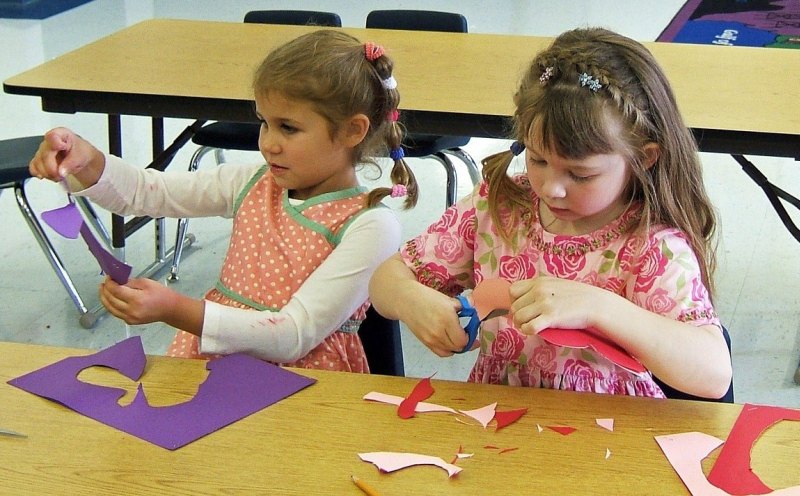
x=471, y=328
x=6, y=432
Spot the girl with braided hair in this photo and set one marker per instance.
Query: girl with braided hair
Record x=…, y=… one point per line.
x=610, y=230
x=306, y=236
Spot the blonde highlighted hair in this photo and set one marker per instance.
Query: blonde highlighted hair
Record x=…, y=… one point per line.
x=329, y=69
x=633, y=106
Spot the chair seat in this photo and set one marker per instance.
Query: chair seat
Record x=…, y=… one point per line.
x=422, y=145
x=229, y=136
x=15, y=154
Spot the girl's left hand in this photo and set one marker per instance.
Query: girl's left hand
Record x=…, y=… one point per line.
x=544, y=302
x=140, y=301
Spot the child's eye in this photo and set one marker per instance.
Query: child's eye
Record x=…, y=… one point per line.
x=288, y=129
x=580, y=179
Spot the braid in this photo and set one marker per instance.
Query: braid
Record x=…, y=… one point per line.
x=385, y=112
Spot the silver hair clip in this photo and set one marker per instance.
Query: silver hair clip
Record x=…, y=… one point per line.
x=546, y=75
x=592, y=82
x=389, y=83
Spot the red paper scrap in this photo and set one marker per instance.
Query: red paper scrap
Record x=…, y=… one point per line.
x=506, y=450
x=562, y=429
x=508, y=417
x=421, y=392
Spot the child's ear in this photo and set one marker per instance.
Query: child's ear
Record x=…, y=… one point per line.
x=355, y=130
x=651, y=152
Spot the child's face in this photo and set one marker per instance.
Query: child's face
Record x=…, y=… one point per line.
x=296, y=143
x=577, y=196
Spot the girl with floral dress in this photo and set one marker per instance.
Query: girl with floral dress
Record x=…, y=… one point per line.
x=610, y=230
x=306, y=236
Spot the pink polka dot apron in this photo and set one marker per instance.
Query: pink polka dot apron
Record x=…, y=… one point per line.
x=274, y=247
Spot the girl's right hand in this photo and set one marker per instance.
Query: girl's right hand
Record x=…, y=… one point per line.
x=61, y=153
x=434, y=321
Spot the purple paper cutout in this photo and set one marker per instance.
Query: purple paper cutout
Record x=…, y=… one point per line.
x=237, y=385
x=66, y=221
x=118, y=271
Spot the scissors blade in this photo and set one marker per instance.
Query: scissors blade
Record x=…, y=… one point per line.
x=6, y=432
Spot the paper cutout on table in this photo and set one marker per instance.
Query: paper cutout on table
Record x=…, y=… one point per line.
x=422, y=391
x=732, y=471
x=484, y=415
x=506, y=450
x=579, y=338
x=608, y=453
x=490, y=295
x=606, y=423
x=389, y=462
x=422, y=407
x=539, y=428
x=237, y=386
x=562, y=429
x=68, y=222
x=508, y=417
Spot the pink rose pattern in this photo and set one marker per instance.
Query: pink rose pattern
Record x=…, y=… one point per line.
x=658, y=272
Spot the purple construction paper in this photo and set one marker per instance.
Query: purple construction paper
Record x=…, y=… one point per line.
x=120, y=272
x=237, y=385
x=66, y=221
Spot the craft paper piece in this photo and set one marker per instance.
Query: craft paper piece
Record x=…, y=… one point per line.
x=118, y=271
x=579, y=338
x=483, y=415
x=562, y=429
x=732, y=471
x=508, y=417
x=608, y=453
x=686, y=451
x=539, y=428
x=422, y=407
x=506, y=450
x=66, y=221
x=607, y=424
x=389, y=462
x=491, y=294
x=237, y=385
x=422, y=391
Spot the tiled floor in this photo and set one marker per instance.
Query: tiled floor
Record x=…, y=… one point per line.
x=759, y=261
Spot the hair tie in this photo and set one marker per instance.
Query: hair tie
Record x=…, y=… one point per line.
x=389, y=83
x=398, y=191
x=592, y=82
x=517, y=148
x=396, y=154
x=394, y=115
x=372, y=51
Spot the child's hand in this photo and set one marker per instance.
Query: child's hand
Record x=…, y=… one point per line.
x=544, y=302
x=140, y=301
x=62, y=153
x=434, y=321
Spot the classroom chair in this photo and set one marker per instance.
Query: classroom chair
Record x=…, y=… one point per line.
x=382, y=344
x=417, y=145
x=15, y=154
x=674, y=394
x=243, y=136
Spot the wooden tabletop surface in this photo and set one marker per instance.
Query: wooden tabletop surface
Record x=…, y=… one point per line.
x=719, y=88
x=309, y=442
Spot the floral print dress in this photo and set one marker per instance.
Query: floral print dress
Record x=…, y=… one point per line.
x=658, y=272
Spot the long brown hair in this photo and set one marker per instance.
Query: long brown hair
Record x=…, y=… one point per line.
x=329, y=69
x=573, y=121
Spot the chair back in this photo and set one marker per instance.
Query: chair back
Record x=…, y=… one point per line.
x=674, y=394
x=382, y=344
x=417, y=20
x=294, y=17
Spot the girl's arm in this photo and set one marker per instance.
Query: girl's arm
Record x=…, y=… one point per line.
x=326, y=300
x=429, y=314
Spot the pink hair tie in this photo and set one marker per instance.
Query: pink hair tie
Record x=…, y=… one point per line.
x=394, y=115
x=372, y=51
x=398, y=191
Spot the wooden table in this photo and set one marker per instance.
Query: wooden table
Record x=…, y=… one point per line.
x=309, y=442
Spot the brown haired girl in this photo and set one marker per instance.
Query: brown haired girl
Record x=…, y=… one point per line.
x=610, y=230
x=306, y=237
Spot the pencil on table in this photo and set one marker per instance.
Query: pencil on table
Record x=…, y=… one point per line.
x=365, y=488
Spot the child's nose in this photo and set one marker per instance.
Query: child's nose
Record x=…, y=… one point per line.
x=553, y=188
x=267, y=141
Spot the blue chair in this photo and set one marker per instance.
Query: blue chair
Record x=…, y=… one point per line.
x=429, y=145
x=382, y=344
x=673, y=393
x=243, y=136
